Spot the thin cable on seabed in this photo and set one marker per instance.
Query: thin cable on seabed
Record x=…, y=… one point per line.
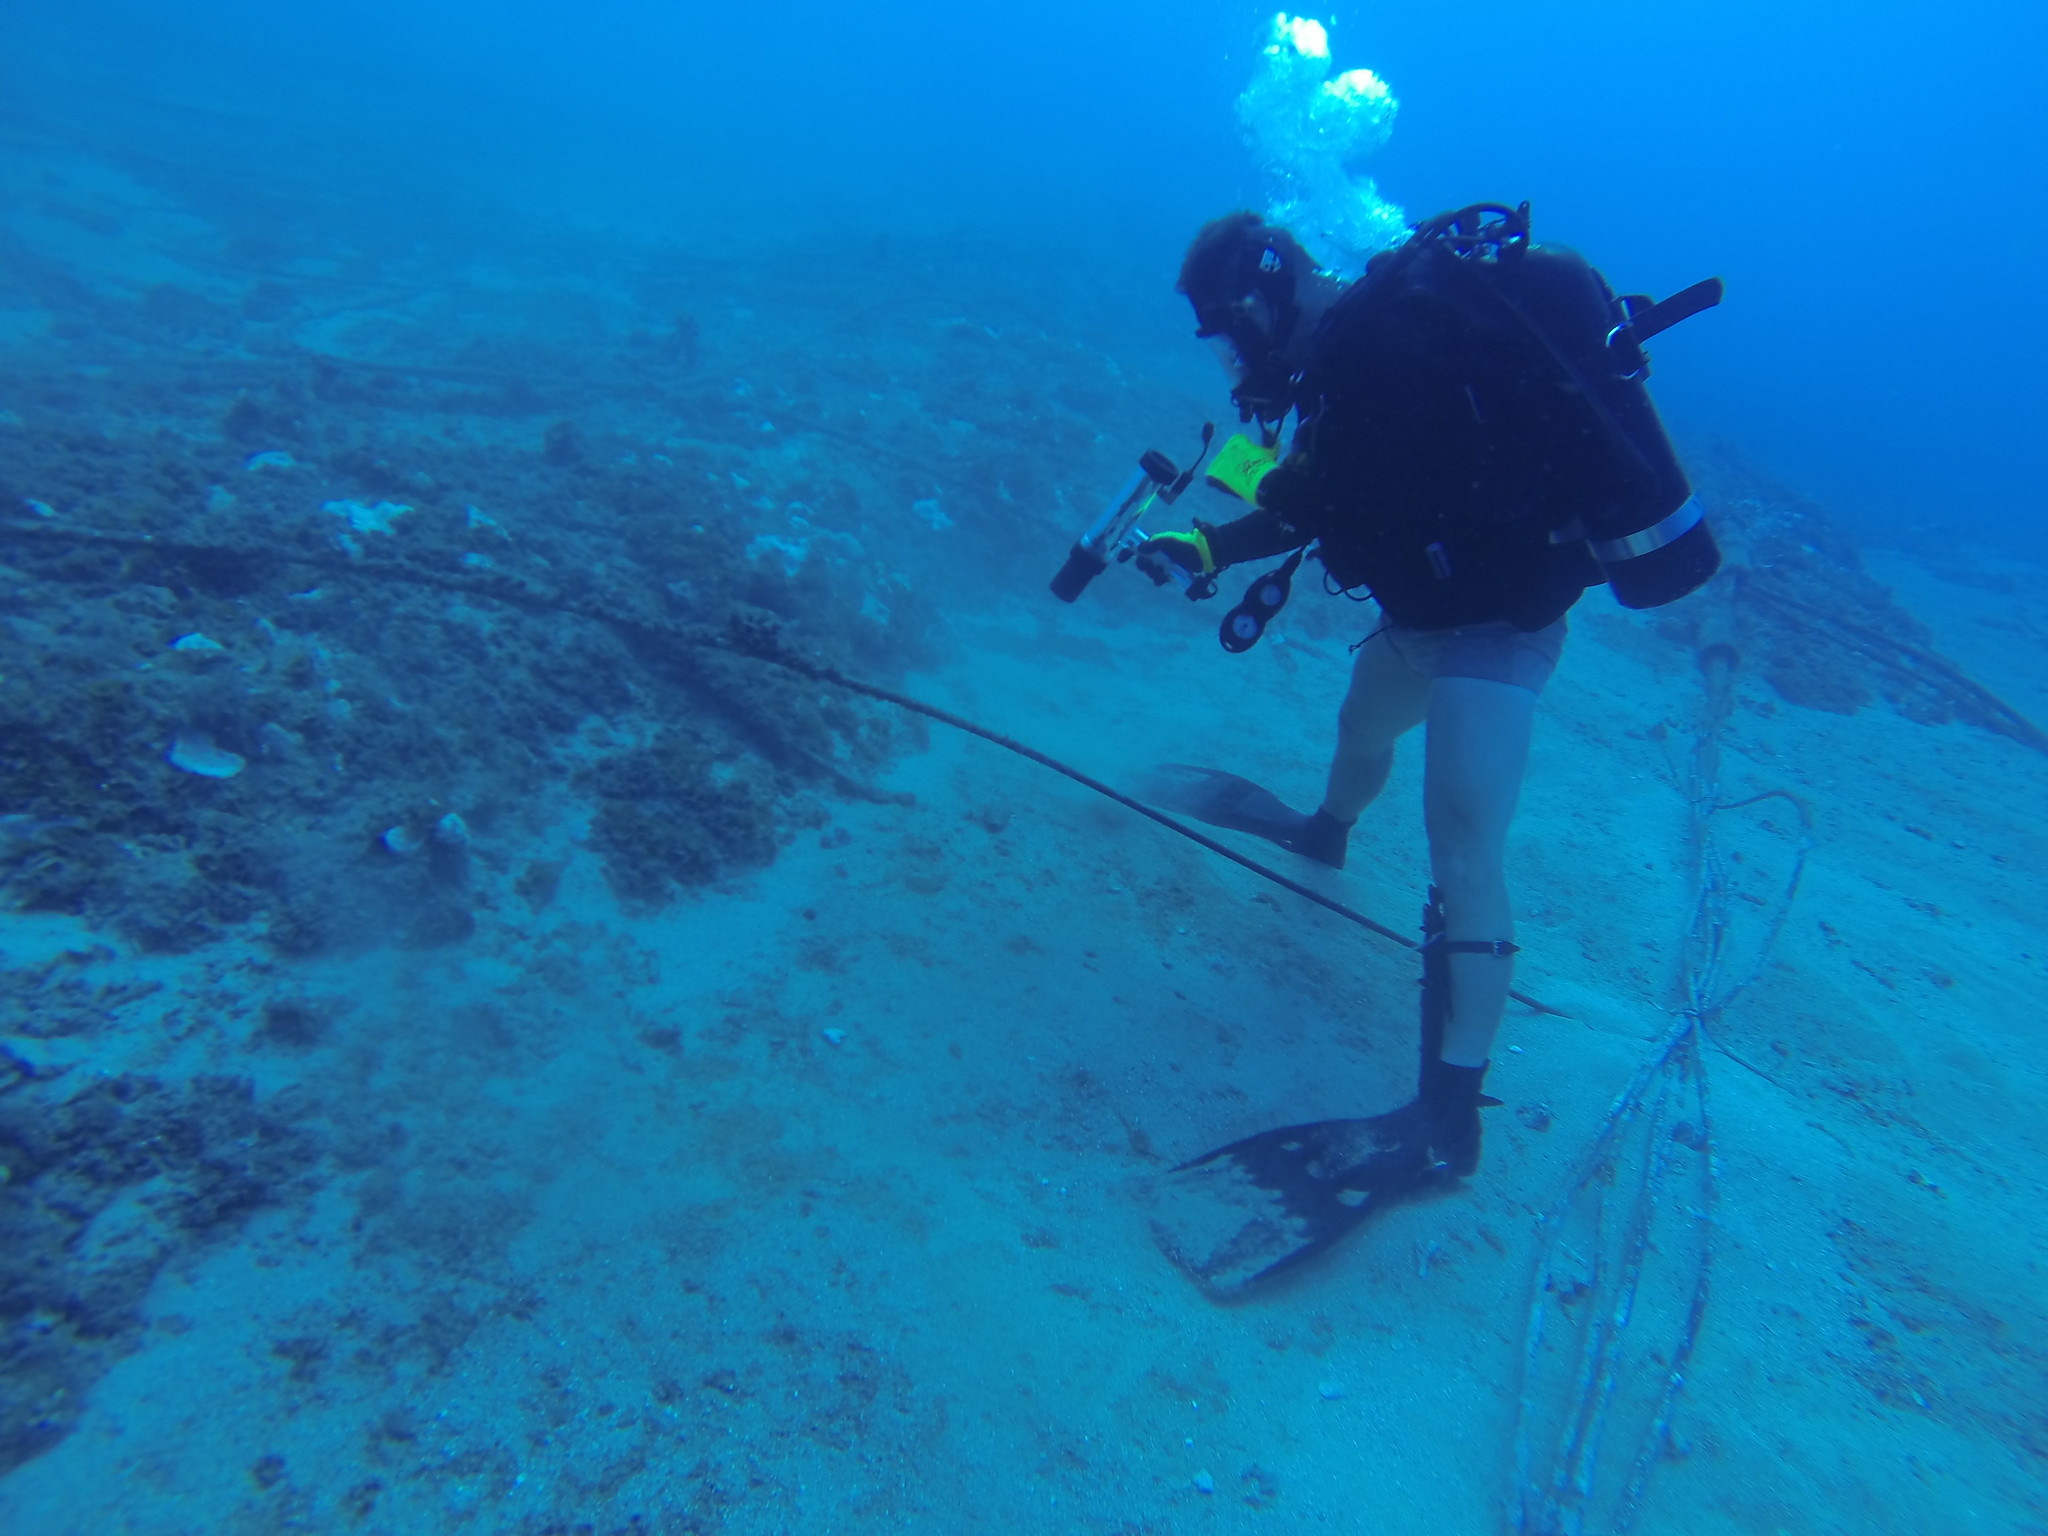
x=1558, y=1493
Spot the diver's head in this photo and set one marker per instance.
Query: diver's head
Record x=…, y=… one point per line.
x=1257, y=296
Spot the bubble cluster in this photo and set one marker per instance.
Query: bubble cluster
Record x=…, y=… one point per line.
x=1308, y=132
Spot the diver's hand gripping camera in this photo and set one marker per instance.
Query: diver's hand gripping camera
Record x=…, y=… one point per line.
x=1115, y=535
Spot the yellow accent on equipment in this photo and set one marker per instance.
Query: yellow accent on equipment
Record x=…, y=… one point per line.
x=1193, y=539
x=1240, y=465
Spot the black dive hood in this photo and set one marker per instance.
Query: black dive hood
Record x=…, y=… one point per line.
x=1255, y=309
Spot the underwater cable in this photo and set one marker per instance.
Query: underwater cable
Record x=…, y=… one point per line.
x=2000, y=716
x=758, y=638
x=768, y=648
x=1582, y=1373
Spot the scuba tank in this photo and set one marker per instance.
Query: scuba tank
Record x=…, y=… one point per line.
x=1515, y=354
x=1641, y=521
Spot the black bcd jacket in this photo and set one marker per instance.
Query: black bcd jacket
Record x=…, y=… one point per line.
x=1446, y=454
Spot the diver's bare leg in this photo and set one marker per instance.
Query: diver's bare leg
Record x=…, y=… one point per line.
x=1477, y=749
x=1386, y=700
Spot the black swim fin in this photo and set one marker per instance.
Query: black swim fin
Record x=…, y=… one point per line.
x=1226, y=800
x=1245, y=1212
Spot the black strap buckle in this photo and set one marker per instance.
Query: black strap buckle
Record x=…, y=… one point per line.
x=1647, y=319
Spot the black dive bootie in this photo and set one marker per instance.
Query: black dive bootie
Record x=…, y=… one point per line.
x=1447, y=1099
x=1449, y=1114
x=1323, y=838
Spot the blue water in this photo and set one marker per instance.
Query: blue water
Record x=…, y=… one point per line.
x=1859, y=172
x=482, y=1050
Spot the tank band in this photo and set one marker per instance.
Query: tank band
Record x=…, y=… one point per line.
x=1666, y=530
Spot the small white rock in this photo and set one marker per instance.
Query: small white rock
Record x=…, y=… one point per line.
x=451, y=831
x=1331, y=1391
x=195, y=752
x=834, y=1036
x=376, y=518
x=197, y=642
x=402, y=840
x=1204, y=1483
x=1516, y=1049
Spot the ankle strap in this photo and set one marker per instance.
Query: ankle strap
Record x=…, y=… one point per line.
x=1498, y=947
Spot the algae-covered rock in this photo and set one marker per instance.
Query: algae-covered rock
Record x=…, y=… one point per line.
x=680, y=812
x=80, y=1244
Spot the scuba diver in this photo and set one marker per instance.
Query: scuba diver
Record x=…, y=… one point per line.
x=1473, y=448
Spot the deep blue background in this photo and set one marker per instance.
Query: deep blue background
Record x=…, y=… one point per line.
x=1866, y=175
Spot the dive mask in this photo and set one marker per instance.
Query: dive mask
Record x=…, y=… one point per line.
x=1245, y=335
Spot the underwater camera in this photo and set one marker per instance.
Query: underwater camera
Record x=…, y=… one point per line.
x=1115, y=535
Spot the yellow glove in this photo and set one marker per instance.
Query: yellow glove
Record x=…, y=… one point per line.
x=1240, y=465
x=1189, y=551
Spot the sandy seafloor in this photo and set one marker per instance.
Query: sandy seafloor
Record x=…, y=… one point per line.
x=657, y=1253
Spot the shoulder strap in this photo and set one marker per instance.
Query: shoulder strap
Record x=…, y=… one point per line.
x=1495, y=293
